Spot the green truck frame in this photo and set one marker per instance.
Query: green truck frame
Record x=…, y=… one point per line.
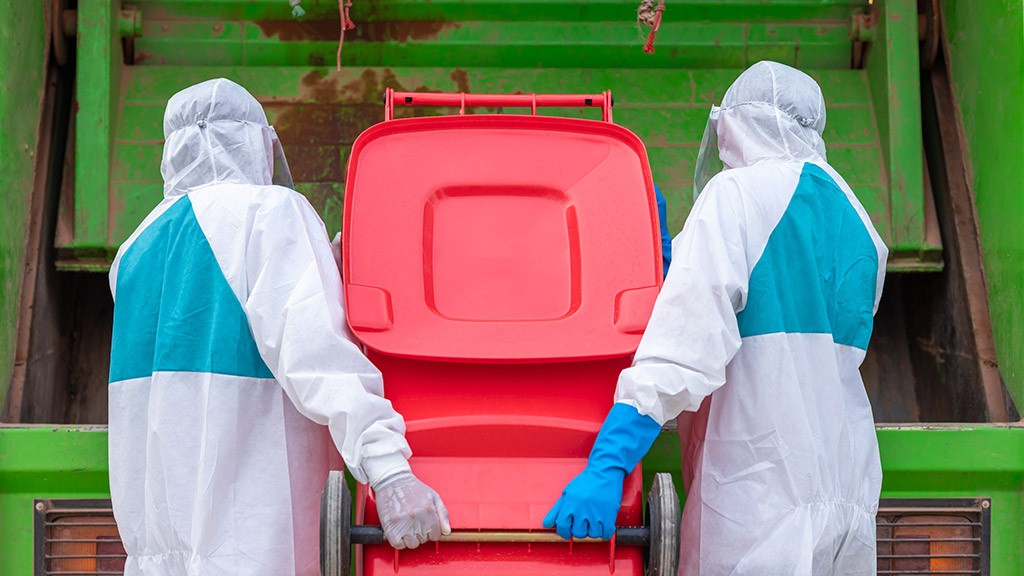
x=924, y=120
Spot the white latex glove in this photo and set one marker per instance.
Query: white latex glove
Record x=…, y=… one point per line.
x=336, y=249
x=410, y=511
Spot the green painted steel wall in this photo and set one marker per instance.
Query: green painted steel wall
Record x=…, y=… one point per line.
x=44, y=462
x=986, y=45
x=921, y=462
x=893, y=68
x=873, y=132
x=970, y=462
x=22, y=73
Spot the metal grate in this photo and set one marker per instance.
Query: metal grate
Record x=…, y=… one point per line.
x=948, y=536
x=77, y=538
x=915, y=536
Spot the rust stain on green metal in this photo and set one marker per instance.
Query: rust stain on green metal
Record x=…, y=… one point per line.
x=318, y=126
x=461, y=79
x=292, y=30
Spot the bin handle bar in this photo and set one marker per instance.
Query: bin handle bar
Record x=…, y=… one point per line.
x=624, y=536
x=531, y=101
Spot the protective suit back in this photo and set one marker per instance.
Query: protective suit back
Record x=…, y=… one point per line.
x=228, y=356
x=769, y=305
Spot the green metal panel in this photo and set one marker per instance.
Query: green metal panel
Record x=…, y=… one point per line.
x=99, y=74
x=508, y=44
x=44, y=462
x=497, y=46
x=516, y=10
x=986, y=52
x=23, y=49
x=59, y=462
x=935, y=462
x=893, y=70
x=318, y=115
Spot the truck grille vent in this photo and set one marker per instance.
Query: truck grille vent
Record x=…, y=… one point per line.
x=949, y=536
x=927, y=536
x=77, y=538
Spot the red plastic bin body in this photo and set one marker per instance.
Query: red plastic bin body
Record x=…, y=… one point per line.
x=500, y=271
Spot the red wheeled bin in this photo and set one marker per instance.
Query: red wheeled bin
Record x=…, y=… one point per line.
x=500, y=270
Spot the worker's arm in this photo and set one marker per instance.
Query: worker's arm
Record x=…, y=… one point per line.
x=691, y=337
x=296, y=313
x=693, y=333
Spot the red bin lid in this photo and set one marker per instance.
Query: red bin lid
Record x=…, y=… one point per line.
x=500, y=238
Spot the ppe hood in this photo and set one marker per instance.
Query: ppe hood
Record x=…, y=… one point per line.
x=216, y=132
x=771, y=112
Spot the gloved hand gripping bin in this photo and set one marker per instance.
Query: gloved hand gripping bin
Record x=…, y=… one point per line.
x=500, y=270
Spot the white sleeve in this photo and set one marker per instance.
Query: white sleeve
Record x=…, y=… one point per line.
x=693, y=332
x=297, y=316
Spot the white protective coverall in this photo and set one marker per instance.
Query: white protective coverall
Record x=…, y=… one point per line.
x=229, y=354
x=769, y=305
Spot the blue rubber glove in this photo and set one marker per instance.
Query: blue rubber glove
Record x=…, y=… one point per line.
x=590, y=502
x=666, y=238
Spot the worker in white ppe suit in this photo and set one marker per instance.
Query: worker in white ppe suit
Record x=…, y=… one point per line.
x=229, y=356
x=760, y=328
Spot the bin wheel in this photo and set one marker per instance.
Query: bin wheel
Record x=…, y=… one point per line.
x=664, y=519
x=335, y=526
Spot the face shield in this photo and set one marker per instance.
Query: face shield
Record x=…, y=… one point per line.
x=282, y=176
x=709, y=162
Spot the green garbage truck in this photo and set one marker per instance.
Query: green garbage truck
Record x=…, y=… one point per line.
x=924, y=121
